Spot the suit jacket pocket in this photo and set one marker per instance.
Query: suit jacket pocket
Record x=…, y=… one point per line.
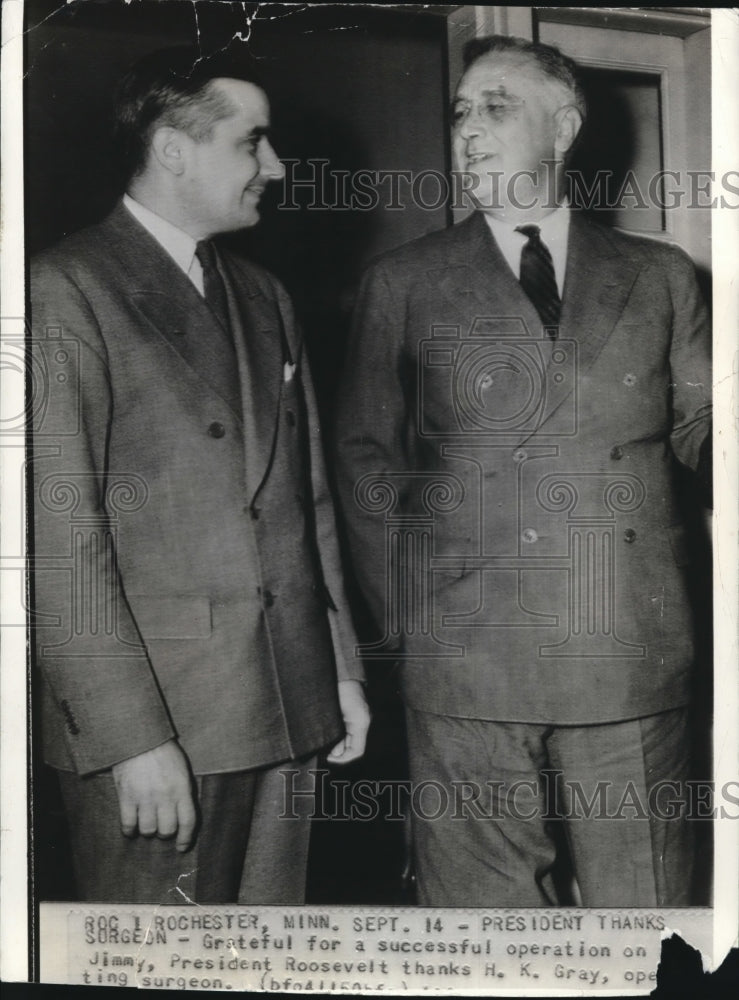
x=177, y=617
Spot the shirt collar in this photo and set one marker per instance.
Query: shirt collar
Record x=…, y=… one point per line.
x=554, y=228
x=179, y=245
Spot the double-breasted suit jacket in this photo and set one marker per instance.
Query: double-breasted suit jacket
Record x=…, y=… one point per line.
x=187, y=578
x=537, y=476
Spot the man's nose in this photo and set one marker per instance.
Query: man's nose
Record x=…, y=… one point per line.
x=270, y=165
x=473, y=125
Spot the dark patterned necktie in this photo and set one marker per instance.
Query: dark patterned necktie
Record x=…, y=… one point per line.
x=213, y=286
x=538, y=280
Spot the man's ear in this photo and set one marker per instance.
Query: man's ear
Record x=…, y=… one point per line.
x=568, y=121
x=168, y=147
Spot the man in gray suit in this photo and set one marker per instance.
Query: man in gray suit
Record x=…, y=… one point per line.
x=193, y=637
x=518, y=390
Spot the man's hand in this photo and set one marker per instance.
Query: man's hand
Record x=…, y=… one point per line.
x=155, y=795
x=356, y=715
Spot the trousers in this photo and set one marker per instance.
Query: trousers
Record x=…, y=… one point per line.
x=485, y=796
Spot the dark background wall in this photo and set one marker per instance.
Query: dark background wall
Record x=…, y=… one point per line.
x=361, y=88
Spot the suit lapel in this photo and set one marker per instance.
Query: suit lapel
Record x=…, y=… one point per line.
x=598, y=281
x=260, y=340
x=478, y=274
x=171, y=304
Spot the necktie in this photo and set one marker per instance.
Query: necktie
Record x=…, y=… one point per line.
x=215, y=290
x=538, y=280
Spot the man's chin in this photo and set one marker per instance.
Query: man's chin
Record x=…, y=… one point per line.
x=250, y=208
x=245, y=220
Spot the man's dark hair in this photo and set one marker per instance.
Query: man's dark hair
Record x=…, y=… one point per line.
x=550, y=61
x=173, y=87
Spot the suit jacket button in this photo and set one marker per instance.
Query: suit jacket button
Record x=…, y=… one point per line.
x=529, y=535
x=629, y=535
x=216, y=430
x=617, y=452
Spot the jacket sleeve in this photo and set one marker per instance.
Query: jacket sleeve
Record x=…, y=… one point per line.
x=344, y=639
x=690, y=367
x=87, y=643
x=372, y=428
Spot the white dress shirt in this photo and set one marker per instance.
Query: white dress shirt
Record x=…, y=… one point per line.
x=179, y=245
x=554, y=229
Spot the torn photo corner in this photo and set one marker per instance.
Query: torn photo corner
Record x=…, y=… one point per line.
x=369, y=589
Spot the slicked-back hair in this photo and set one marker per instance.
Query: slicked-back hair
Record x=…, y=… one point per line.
x=551, y=62
x=173, y=87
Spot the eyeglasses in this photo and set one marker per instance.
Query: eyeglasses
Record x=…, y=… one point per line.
x=492, y=110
